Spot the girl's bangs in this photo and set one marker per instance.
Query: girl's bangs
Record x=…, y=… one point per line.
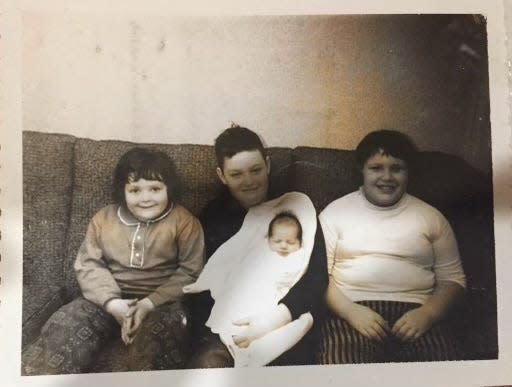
x=145, y=174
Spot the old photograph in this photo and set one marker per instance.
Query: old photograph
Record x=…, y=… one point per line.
x=231, y=194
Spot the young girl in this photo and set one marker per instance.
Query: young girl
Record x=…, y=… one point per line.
x=253, y=285
x=137, y=255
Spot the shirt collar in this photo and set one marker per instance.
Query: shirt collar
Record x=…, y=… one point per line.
x=399, y=204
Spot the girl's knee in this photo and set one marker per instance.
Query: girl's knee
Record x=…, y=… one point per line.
x=172, y=318
x=79, y=306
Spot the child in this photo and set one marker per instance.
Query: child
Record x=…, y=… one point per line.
x=395, y=272
x=254, y=285
x=136, y=257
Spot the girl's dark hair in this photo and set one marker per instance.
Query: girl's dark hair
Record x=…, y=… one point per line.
x=235, y=140
x=389, y=142
x=283, y=218
x=140, y=163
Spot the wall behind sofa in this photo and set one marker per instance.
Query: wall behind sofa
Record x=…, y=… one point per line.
x=323, y=81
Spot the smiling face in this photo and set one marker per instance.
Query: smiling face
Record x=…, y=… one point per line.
x=384, y=179
x=284, y=239
x=246, y=176
x=146, y=199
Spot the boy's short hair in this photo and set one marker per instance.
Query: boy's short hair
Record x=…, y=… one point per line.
x=389, y=142
x=140, y=163
x=235, y=140
x=285, y=217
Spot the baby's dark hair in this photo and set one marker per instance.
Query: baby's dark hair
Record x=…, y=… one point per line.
x=285, y=217
x=235, y=140
x=140, y=163
x=389, y=142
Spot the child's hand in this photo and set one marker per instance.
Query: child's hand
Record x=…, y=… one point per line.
x=118, y=308
x=191, y=288
x=367, y=322
x=259, y=325
x=194, y=288
x=255, y=327
x=412, y=324
x=134, y=318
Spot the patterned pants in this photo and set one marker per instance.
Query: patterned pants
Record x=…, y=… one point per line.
x=75, y=335
x=342, y=344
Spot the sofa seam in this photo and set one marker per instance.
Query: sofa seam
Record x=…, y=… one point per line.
x=35, y=315
x=66, y=266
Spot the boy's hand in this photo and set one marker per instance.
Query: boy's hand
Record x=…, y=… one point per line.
x=367, y=322
x=134, y=318
x=255, y=327
x=412, y=324
x=118, y=308
x=259, y=325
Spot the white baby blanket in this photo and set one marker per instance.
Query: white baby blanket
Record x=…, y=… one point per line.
x=244, y=275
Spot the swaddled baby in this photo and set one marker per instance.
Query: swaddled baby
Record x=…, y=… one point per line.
x=260, y=279
x=254, y=285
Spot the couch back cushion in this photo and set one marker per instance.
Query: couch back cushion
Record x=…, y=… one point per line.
x=464, y=196
x=47, y=192
x=323, y=174
x=94, y=165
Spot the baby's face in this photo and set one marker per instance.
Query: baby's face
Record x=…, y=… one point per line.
x=284, y=239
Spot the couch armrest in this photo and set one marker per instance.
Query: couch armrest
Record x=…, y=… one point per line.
x=39, y=305
x=47, y=192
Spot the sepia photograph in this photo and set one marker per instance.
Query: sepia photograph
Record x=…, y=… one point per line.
x=204, y=198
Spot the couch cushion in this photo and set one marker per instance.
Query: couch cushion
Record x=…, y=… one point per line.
x=47, y=191
x=281, y=168
x=323, y=174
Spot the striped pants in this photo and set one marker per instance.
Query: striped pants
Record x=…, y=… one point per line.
x=342, y=344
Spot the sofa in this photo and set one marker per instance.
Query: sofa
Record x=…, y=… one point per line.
x=66, y=179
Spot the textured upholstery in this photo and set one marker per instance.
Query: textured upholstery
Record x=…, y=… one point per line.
x=66, y=180
x=47, y=193
x=324, y=174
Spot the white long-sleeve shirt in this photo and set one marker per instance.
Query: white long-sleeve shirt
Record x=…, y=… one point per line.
x=394, y=253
